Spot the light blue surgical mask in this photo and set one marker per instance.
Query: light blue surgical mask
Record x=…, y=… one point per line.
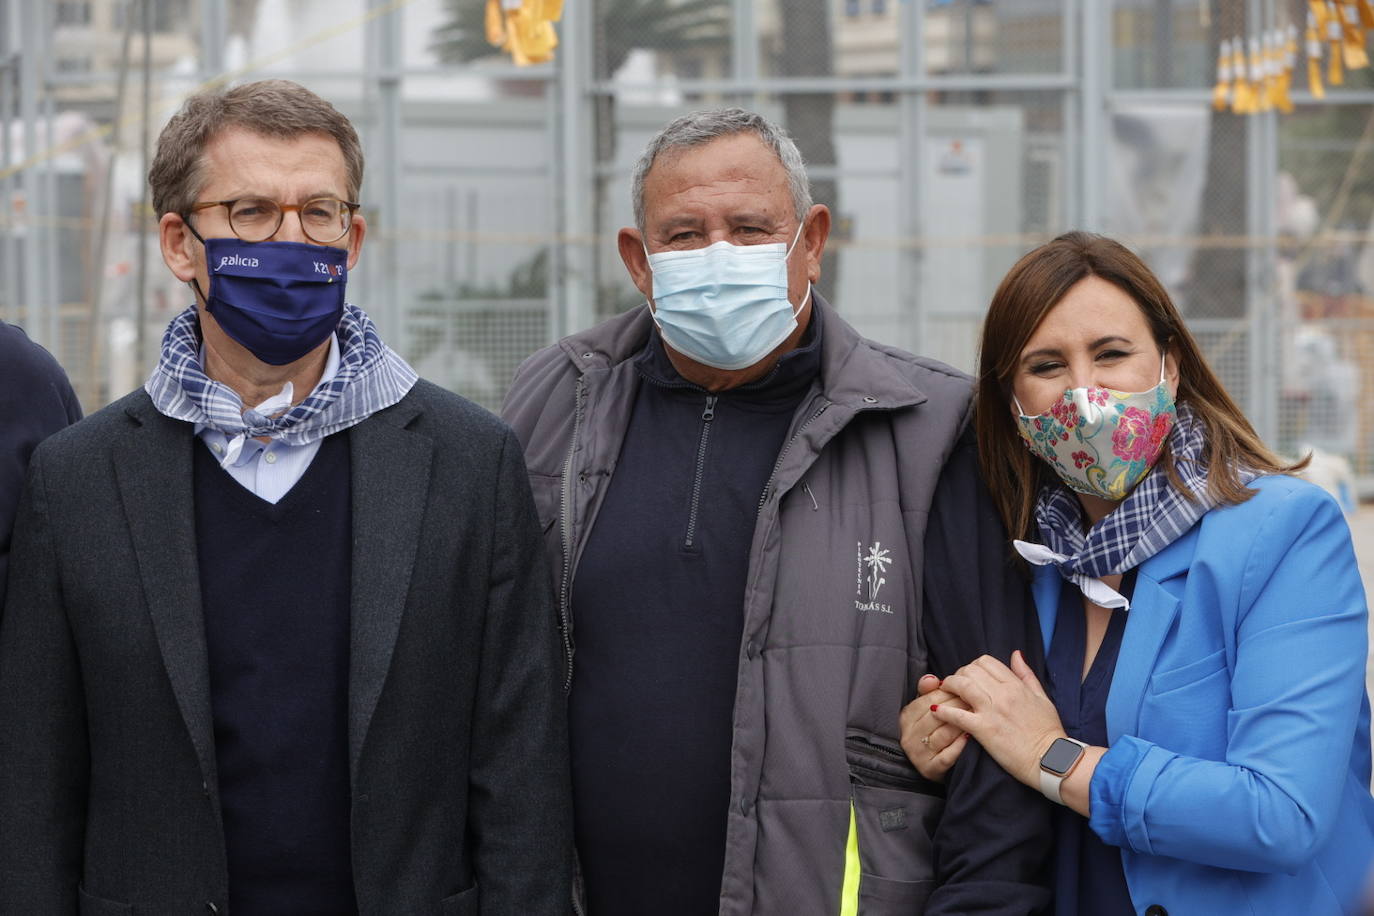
x=724, y=305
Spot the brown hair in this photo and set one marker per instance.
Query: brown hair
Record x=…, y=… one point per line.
x=1036, y=284
x=272, y=108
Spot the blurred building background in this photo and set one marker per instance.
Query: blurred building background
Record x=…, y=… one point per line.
x=948, y=137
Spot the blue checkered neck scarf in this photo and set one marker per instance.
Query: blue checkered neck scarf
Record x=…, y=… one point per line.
x=370, y=376
x=1150, y=518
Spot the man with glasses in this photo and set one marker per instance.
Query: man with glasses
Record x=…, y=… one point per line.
x=279, y=638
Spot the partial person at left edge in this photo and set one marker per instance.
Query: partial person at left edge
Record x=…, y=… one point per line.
x=279, y=638
x=36, y=400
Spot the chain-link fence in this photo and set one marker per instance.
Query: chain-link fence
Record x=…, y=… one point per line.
x=947, y=136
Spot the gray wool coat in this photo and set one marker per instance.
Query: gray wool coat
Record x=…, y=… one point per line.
x=456, y=724
x=879, y=461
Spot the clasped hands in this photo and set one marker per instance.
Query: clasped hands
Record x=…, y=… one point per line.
x=1004, y=709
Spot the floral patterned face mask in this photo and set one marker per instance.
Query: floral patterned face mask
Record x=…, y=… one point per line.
x=1100, y=441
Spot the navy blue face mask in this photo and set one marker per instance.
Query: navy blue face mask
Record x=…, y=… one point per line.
x=280, y=300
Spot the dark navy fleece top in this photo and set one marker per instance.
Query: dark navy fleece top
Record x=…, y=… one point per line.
x=658, y=601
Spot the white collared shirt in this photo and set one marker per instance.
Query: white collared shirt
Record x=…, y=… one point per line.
x=268, y=469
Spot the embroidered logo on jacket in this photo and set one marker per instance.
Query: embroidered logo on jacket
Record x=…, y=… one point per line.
x=877, y=560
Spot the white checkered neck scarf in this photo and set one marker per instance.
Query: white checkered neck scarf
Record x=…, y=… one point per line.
x=370, y=376
x=1150, y=518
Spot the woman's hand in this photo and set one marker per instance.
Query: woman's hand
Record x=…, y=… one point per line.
x=1007, y=713
x=931, y=745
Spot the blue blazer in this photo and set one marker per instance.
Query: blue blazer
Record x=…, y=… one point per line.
x=1237, y=780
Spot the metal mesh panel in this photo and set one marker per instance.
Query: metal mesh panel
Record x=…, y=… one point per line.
x=953, y=339
x=1226, y=347
x=1166, y=44
x=994, y=36
x=1324, y=289
x=465, y=266
x=824, y=37
x=1326, y=398
x=473, y=347
x=642, y=40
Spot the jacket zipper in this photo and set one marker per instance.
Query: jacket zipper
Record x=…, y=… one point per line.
x=885, y=751
x=903, y=774
x=564, y=621
x=707, y=416
x=783, y=454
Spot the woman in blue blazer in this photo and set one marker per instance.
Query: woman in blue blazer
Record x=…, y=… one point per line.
x=1203, y=720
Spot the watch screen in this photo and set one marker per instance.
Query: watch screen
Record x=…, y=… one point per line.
x=1060, y=756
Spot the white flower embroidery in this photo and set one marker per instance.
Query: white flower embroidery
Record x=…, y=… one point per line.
x=877, y=562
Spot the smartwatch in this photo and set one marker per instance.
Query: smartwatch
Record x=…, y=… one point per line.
x=1057, y=763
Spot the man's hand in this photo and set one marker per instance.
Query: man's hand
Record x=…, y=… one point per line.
x=931, y=745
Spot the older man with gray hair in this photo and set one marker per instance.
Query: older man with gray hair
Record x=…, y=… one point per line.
x=767, y=529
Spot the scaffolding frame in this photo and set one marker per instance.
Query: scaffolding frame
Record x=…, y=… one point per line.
x=571, y=87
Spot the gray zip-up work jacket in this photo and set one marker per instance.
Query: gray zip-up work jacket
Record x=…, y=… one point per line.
x=876, y=557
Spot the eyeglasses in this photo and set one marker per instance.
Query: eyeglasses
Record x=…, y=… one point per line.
x=256, y=219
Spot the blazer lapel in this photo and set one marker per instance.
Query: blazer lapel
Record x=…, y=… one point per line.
x=390, y=478
x=1150, y=619
x=153, y=470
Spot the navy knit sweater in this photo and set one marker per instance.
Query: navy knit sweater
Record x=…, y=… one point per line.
x=275, y=587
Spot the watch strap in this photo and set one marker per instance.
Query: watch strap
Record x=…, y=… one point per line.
x=1050, y=782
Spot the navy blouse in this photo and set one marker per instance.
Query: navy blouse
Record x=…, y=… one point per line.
x=1088, y=878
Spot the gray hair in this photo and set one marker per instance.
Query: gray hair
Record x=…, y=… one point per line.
x=701, y=127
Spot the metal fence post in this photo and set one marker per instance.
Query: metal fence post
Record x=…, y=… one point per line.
x=383, y=70
x=214, y=28
x=9, y=244
x=574, y=181
x=31, y=28
x=911, y=135
x=1261, y=301
x=1094, y=91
